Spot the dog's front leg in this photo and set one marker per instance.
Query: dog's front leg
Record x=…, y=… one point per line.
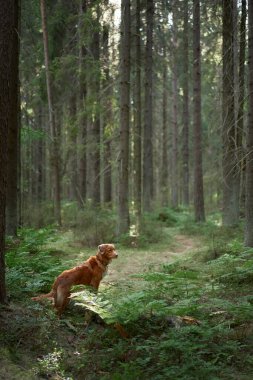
x=95, y=283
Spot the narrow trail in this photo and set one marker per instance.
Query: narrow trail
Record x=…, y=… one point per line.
x=141, y=261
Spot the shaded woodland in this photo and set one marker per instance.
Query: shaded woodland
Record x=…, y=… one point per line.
x=131, y=114
x=131, y=122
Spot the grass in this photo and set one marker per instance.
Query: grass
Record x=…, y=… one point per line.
x=204, y=272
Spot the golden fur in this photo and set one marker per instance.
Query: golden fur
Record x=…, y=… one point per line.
x=90, y=273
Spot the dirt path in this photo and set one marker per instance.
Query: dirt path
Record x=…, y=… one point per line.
x=132, y=262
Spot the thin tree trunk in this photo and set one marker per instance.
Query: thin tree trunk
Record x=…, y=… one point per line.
x=164, y=179
x=7, y=11
x=230, y=208
x=73, y=148
x=137, y=114
x=55, y=160
x=82, y=106
x=240, y=121
x=13, y=134
x=174, y=173
x=123, y=215
x=236, y=99
x=107, y=84
x=249, y=160
x=198, y=172
x=185, y=132
x=108, y=172
x=40, y=168
x=41, y=159
x=93, y=94
x=148, y=176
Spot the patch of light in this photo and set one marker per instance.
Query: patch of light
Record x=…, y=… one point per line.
x=116, y=4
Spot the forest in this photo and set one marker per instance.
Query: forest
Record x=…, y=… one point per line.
x=126, y=133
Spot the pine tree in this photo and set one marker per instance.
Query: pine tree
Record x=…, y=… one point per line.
x=249, y=160
x=123, y=215
x=198, y=172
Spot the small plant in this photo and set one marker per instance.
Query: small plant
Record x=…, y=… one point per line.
x=50, y=365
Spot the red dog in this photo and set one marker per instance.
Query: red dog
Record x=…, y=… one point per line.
x=90, y=273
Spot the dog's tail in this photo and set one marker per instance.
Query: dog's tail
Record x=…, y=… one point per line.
x=48, y=295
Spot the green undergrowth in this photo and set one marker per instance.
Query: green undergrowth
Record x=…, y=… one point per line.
x=92, y=225
x=187, y=319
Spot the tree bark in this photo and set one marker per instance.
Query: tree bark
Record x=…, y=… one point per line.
x=185, y=132
x=148, y=116
x=238, y=147
x=7, y=35
x=198, y=172
x=164, y=179
x=55, y=159
x=123, y=214
x=82, y=107
x=73, y=148
x=93, y=92
x=108, y=119
x=13, y=133
x=230, y=207
x=241, y=97
x=249, y=160
x=174, y=168
x=137, y=113
x=41, y=184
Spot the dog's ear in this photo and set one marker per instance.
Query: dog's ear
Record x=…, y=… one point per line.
x=101, y=248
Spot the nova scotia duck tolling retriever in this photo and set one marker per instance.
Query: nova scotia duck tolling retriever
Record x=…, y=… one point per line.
x=90, y=273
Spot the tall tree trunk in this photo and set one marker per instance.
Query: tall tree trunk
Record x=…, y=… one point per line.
x=148, y=116
x=249, y=160
x=137, y=114
x=198, y=172
x=41, y=159
x=55, y=159
x=238, y=148
x=240, y=120
x=185, y=132
x=40, y=168
x=107, y=172
x=82, y=106
x=230, y=208
x=108, y=93
x=7, y=69
x=174, y=172
x=93, y=138
x=123, y=215
x=164, y=179
x=13, y=133
x=73, y=149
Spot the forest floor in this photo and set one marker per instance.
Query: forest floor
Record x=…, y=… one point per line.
x=149, y=290
x=134, y=262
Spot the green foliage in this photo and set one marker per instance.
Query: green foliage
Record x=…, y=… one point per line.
x=215, y=348
x=171, y=217
x=30, y=266
x=215, y=292
x=50, y=364
x=92, y=225
x=38, y=215
x=150, y=230
x=30, y=134
x=167, y=216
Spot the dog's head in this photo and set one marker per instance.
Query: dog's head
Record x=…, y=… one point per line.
x=107, y=251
